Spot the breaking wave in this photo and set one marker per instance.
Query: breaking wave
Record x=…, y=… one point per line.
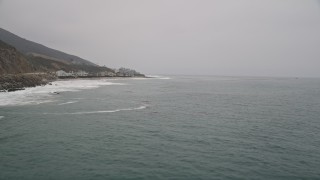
x=158, y=77
x=99, y=112
x=69, y=102
x=45, y=94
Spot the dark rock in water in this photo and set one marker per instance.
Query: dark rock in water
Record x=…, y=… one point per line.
x=15, y=89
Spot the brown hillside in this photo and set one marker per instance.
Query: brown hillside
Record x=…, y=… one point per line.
x=11, y=61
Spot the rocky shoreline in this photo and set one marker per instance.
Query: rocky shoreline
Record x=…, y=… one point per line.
x=14, y=82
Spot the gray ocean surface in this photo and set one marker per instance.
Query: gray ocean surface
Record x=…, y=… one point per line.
x=182, y=127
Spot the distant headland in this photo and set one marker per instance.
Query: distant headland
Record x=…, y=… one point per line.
x=24, y=63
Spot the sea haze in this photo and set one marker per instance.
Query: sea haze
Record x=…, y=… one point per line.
x=182, y=127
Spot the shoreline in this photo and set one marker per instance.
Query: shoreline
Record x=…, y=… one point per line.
x=18, y=82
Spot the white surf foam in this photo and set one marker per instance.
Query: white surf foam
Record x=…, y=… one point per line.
x=99, y=112
x=69, y=102
x=110, y=111
x=1, y=117
x=158, y=77
x=45, y=94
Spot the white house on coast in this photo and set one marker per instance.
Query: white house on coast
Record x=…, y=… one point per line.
x=106, y=74
x=62, y=73
x=81, y=73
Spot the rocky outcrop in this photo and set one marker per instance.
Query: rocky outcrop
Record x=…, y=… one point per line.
x=14, y=82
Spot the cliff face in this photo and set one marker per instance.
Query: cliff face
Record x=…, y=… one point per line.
x=32, y=64
x=18, y=55
x=12, y=62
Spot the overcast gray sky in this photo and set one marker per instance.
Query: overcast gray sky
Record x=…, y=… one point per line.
x=208, y=37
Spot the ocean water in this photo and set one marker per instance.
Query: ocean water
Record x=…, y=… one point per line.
x=181, y=127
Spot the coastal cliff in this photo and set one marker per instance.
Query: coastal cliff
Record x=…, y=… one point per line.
x=24, y=63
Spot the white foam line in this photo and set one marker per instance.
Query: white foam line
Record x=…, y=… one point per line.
x=98, y=112
x=109, y=111
x=45, y=94
x=69, y=102
x=158, y=77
